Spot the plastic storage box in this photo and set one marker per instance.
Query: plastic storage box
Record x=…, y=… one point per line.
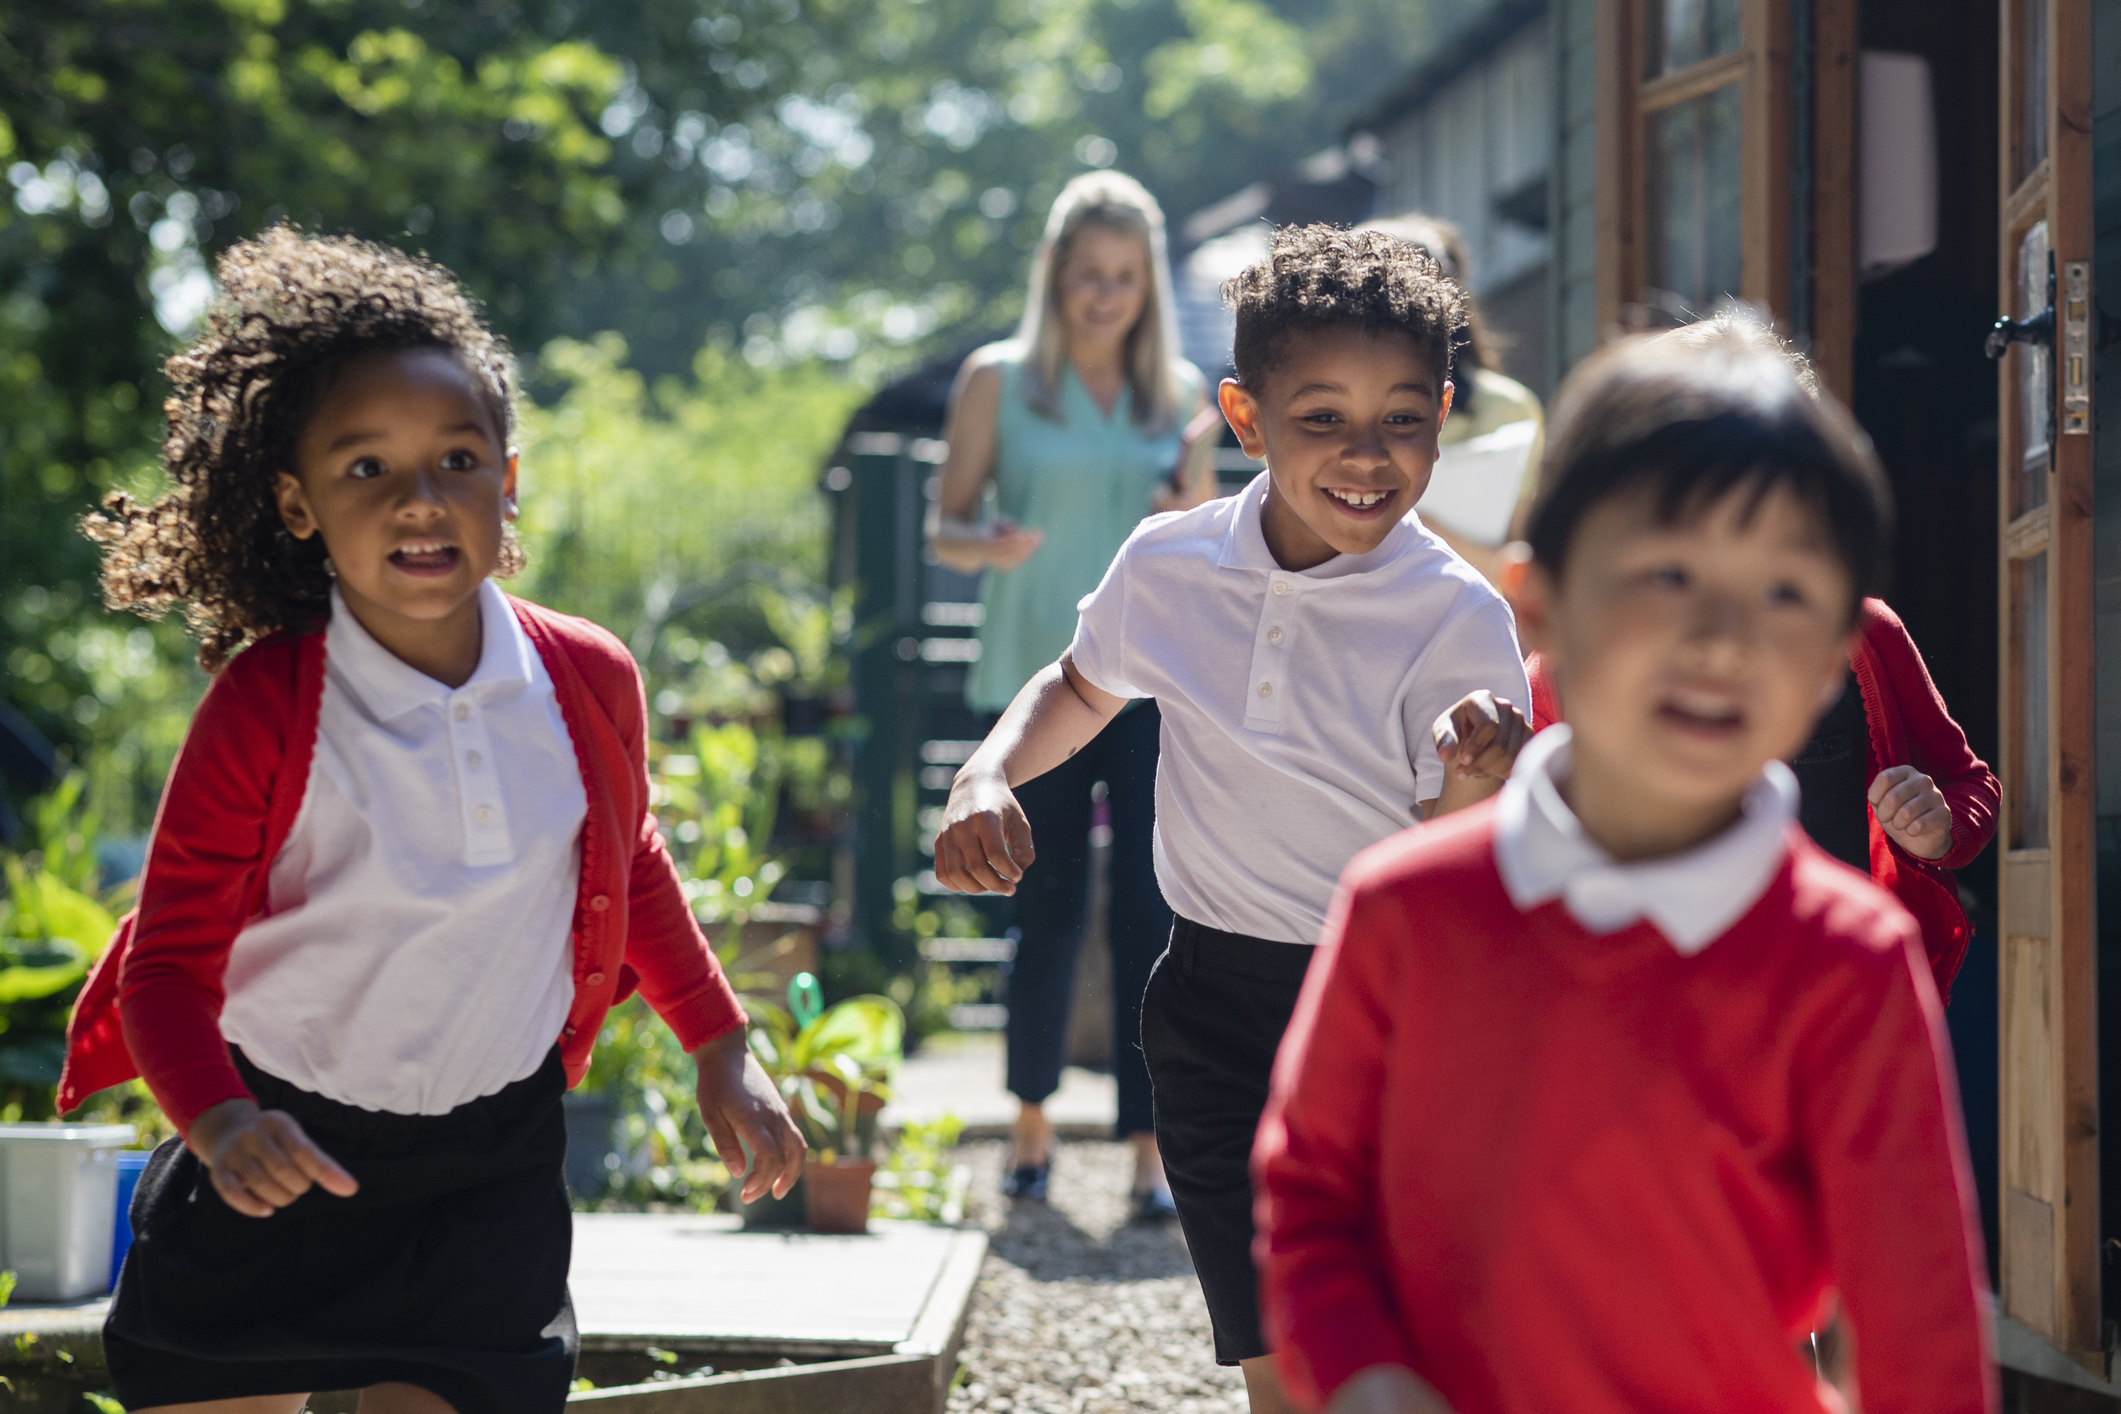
x=131, y=1164
x=58, y=1203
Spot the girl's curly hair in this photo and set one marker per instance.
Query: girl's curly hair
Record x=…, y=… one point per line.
x=292, y=309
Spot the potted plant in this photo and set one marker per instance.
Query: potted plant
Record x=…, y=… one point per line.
x=799, y=1047
x=838, y=1177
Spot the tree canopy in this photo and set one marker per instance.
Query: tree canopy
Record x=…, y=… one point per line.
x=839, y=183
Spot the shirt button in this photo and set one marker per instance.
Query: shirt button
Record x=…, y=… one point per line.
x=1274, y=634
x=596, y=979
x=474, y=760
x=599, y=904
x=483, y=815
x=1281, y=586
x=464, y=709
x=1266, y=689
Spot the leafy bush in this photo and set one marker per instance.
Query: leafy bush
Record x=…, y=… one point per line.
x=921, y=1181
x=53, y=926
x=653, y=1084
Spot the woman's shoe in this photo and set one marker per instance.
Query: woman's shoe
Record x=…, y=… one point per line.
x=1153, y=1207
x=1027, y=1181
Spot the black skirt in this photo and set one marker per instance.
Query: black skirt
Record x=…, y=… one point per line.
x=448, y=1270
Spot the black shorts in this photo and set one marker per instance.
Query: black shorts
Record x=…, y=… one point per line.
x=448, y=1270
x=1212, y=1020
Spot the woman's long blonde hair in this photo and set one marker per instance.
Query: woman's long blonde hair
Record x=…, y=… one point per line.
x=1119, y=203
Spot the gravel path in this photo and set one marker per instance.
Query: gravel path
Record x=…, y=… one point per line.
x=1078, y=1313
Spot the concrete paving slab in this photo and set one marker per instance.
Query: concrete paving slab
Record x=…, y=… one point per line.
x=962, y=1075
x=644, y=1278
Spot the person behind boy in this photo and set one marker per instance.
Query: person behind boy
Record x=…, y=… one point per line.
x=1597, y=1093
x=404, y=866
x=1309, y=643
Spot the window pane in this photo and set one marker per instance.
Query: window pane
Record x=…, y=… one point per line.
x=1694, y=245
x=2029, y=700
x=1684, y=32
x=2032, y=85
x=2036, y=391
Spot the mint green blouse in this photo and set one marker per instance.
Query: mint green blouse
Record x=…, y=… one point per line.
x=1086, y=481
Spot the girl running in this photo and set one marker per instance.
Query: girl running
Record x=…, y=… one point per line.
x=403, y=866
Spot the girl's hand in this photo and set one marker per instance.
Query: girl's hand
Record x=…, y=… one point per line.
x=1913, y=812
x=985, y=843
x=260, y=1160
x=1009, y=545
x=742, y=1111
x=1387, y=1389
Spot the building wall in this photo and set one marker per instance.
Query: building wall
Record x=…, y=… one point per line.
x=1574, y=280
x=1484, y=138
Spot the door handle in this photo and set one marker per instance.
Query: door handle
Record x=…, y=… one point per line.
x=2033, y=329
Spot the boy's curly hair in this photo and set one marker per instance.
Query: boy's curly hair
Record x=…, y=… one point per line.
x=292, y=309
x=1316, y=277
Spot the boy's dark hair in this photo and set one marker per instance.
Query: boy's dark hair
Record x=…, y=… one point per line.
x=292, y=309
x=1320, y=277
x=1695, y=413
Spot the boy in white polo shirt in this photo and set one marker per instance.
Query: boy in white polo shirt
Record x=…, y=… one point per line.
x=1329, y=673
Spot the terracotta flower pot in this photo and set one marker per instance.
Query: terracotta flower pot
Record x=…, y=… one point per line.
x=836, y=1196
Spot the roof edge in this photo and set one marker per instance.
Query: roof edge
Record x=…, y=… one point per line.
x=1453, y=57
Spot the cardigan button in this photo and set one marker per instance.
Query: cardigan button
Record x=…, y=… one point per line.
x=599, y=903
x=596, y=979
x=567, y=1031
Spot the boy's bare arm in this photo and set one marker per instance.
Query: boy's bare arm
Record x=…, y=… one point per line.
x=985, y=842
x=1478, y=739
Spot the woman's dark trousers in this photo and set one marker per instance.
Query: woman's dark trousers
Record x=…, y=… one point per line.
x=1052, y=905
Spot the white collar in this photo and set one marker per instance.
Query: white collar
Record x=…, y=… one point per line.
x=1692, y=898
x=390, y=687
x=1245, y=543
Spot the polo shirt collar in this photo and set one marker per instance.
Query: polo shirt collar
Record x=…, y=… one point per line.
x=1245, y=543
x=391, y=687
x=1691, y=898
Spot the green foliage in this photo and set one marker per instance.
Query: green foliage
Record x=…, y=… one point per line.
x=628, y=484
x=831, y=1107
x=654, y=1085
x=920, y=1181
x=52, y=928
x=7, y=1288
x=868, y=1031
x=827, y=1068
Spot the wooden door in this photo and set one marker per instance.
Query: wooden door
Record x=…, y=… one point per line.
x=2049, y=1019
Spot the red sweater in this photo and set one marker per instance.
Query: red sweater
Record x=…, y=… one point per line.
x=1552, y=1170
x=1908, y=725
x=152, y=1006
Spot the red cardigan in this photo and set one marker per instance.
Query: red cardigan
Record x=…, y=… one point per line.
x=1909, y=725
x=1552, y=1170
x=152, y=1005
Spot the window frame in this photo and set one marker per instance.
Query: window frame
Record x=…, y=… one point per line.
x=1627, y=102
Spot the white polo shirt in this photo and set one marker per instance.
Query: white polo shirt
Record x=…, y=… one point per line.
x=1297, y=706
x=415, y=948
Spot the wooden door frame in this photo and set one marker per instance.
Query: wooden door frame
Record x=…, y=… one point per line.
x=2047, y=897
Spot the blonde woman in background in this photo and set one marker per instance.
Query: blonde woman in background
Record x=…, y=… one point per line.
x=1488, y=408
x=1076, y=428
